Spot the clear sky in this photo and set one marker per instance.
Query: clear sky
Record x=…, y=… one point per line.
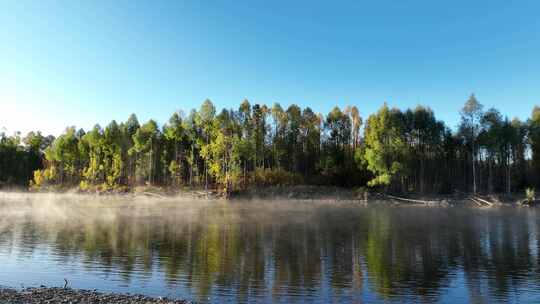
x=85, y=62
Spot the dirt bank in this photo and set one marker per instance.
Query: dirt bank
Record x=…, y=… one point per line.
x=301, y=193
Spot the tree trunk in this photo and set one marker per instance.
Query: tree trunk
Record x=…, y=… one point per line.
x=508, y=171
x=191, y=166
x=206, y=169
x=244, y=169
x=151, y=162
x=474, y=169
x=422, y=175
x=490, y=174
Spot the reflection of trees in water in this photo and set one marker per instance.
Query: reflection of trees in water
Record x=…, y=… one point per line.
x=400, y=251
x=407, y=252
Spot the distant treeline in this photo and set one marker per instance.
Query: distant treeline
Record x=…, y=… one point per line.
x=257, y=145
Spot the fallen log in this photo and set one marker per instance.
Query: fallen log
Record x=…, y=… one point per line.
x=407, y=199
x=153, y=194
x=484, y=201
x=478, y=203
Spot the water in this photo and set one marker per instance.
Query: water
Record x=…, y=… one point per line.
x=261, y=252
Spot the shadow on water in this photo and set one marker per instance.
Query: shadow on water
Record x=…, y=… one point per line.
x=272, y=251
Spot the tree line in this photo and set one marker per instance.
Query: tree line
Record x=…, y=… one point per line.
x=257, y=145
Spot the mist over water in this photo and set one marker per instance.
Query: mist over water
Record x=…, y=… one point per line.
x=269, y=251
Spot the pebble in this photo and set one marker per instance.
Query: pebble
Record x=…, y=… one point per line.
x=74, y=296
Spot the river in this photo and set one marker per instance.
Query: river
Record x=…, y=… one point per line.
x=271, y=251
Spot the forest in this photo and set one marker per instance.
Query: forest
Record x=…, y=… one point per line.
x=392, y=150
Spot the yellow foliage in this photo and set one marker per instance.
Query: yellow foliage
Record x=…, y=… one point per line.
x=44, y=177
x=39, y=178
x=84, y=185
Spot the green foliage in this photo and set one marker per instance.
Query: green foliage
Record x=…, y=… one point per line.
x=384, y=146
x=65, y=156
x=469, y=129
x=408, y=151
x=20, y=157
x=92, y=144
x=145, y=146
x=534, y=139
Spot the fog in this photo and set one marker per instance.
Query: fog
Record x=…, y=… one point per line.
x=73, y=208
x=230, y=251
x=69, y=210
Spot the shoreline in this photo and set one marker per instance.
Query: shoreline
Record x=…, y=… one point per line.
x=301, y=193
x=44, y=294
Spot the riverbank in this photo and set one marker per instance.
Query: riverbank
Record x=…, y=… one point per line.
x=299, y=193
x=68, y=295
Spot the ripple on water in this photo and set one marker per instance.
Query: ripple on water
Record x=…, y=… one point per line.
x=273, y=252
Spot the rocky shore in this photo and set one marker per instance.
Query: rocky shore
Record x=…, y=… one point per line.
x=68, y=295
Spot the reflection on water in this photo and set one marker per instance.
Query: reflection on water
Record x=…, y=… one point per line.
x=272, y=251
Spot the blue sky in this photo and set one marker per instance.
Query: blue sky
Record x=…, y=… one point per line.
x=85, y=62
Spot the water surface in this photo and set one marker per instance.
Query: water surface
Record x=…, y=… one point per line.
x=262, y=252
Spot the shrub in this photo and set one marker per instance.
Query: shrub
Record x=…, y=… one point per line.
x=530, y=194
x=44, y=177
x=84, y=185
x=39, y=179
x=276, y=177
